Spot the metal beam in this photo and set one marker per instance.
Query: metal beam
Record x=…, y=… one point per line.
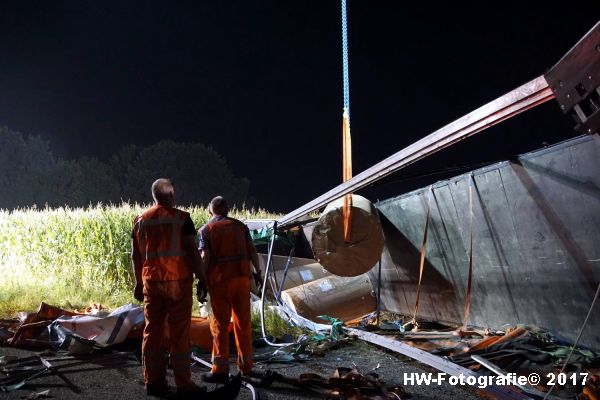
x=520, y=99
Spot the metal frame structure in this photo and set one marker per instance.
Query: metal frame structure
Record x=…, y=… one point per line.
x=527, y=96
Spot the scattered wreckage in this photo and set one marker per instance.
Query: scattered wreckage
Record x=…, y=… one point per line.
x=506, y=247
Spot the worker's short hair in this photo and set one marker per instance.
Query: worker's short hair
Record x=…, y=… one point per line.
x=218, y=206
x=161, y=190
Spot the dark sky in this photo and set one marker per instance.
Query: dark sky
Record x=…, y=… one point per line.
x=261, y=81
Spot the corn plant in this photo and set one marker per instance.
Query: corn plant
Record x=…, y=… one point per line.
x=72, y=257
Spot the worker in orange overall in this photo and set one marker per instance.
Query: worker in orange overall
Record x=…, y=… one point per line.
x=227, y=251
x=164, y=257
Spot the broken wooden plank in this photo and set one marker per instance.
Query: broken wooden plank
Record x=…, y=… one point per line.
x=498, y=371
x=441, y=364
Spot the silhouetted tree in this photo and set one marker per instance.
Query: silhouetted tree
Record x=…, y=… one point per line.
x=26, y=169
x=30, y=174
x=121, y=162
x=198, y=172
x=84, y=181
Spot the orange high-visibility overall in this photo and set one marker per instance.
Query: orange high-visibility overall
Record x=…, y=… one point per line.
x=168, y=281
x=228, y=279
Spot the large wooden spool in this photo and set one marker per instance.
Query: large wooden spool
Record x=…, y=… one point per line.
x=366, y=240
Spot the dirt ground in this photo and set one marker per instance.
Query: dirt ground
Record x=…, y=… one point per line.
x=119, y=376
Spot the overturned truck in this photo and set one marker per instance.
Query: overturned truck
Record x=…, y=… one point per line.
x=516, y=242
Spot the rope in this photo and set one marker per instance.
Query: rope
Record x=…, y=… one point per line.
x=422, y=259
x=347, y=143
x=470, y=275
x=345, y=61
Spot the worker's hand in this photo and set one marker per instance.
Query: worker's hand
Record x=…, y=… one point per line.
x=138, y=292
x=201, y=292
x=258, y=279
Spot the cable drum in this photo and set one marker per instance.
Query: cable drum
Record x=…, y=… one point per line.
x=339, y=297
x=366, y=239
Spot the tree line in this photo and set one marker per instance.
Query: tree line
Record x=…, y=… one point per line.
x=30, y=174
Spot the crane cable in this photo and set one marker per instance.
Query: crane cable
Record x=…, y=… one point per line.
x=346, y=139
x=345, y=61
x=347, y=174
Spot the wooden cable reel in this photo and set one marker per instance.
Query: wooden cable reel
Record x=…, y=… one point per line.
x=362, y=251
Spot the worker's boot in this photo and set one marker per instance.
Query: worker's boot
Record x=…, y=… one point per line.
x=221, y=377
x=158, y=390
x=191, y=392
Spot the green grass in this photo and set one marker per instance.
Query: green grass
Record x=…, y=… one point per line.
x=274, y=325
x=73, y=257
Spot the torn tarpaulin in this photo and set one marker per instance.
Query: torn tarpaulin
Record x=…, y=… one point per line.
x=80, y=333
x=33, y=327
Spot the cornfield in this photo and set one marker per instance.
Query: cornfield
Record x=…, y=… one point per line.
x=73, y=257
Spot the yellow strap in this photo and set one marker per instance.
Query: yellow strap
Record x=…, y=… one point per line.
x=347, y=174
x=422, y=261
x=470, y=275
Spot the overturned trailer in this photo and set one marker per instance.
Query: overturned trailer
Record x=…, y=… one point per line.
x=536, y=243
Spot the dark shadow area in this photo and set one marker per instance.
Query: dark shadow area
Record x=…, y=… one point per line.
x=558, y=228
x=497, y=245
x=401, y=273
x=587, y=187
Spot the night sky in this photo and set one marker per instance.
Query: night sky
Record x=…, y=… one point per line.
x=261, y=81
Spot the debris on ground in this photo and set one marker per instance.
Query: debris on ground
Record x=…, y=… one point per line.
x=344, y=383
x=39, y=395
x=95, y=309
x=521, y=350
x=307, y=345
x=53, y=327
x=18, y=372
x=80, y=333
x=97, y=376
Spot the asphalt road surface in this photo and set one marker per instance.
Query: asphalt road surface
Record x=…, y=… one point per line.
x=119, y=376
